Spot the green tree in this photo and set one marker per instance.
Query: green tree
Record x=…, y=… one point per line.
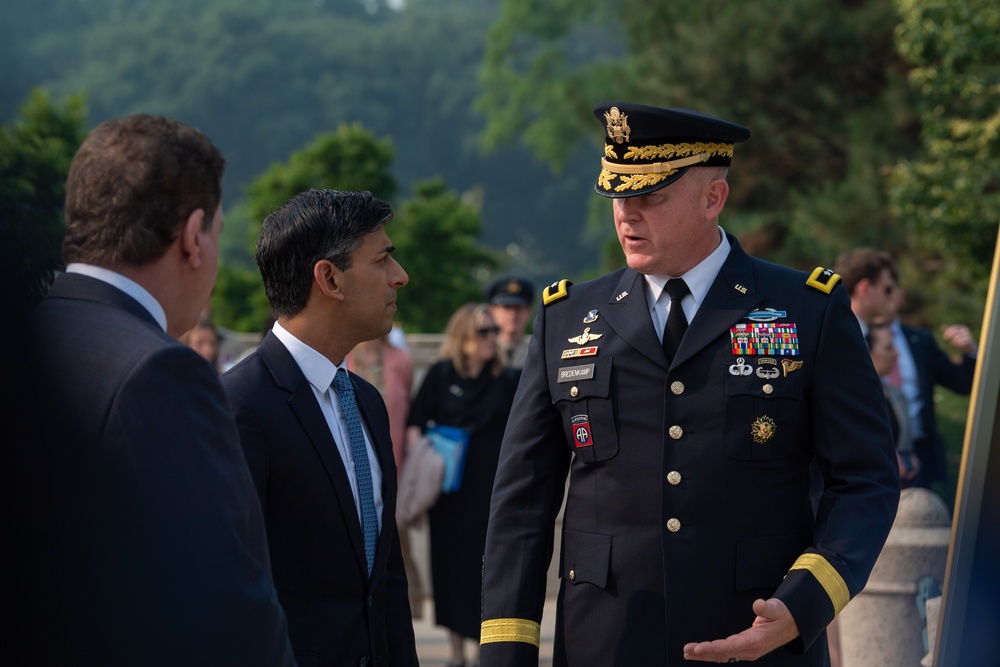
x=819, y=84
x=948, y=197
x=435, y=237
x=348, y=159
x=35, y=154
x=261, y=78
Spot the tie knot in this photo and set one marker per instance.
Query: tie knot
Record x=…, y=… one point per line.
x=341, y=383
x=677, y=289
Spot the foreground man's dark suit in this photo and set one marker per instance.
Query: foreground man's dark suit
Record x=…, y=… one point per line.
x=676, y=520
x=336, y=615
x=144, y=543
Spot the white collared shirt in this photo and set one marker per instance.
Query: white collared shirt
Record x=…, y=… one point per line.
x=127, y=285
x=908, y=376
x=699, y=280
x=319, y=371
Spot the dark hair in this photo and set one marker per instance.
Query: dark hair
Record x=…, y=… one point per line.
x=860, y=263
x=132, y=184
x=312, y=226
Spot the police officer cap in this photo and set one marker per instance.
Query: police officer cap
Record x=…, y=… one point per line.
x=506, y=291
x=648, y=148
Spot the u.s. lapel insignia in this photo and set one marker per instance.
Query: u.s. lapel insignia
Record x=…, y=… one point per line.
x=585, y=337
x=740, y=288
x=591, y=317
x=763, y=429
x=787, y=366
x=621, y=296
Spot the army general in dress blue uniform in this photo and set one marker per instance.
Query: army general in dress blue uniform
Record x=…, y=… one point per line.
x=687, y=397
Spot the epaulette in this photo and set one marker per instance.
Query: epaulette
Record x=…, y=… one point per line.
x=823, y=280
x=556, y=291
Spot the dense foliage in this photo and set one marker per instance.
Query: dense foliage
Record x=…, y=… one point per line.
x=35, y=153
x=874, y=121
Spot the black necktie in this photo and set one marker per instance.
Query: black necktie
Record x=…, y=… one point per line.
x=676, y=321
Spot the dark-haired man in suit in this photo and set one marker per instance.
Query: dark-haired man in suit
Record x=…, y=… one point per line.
x=142, y=541
x=317, y=436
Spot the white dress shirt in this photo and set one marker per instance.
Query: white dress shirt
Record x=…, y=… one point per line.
x=319, y=371
x=699, y=280
x=130, y=287
x=908, y=375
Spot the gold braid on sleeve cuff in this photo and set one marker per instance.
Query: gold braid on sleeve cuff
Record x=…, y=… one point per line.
x=510, y=630
x=828, y=578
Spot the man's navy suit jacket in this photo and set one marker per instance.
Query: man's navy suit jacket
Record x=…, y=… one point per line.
x=336, y=615
x=141, y=540
x=934, y=368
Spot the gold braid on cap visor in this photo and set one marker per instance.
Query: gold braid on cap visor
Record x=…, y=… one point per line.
x=639, y=176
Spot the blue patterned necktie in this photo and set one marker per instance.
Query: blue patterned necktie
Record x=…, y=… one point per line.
x=363, y=471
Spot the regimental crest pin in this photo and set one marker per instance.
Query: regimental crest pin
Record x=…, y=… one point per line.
x=585, y=337
x=591, y=317
x=763, y=429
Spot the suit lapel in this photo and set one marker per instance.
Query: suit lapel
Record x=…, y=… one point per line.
x=628, y=314
x=302, y=401
x=732, y=295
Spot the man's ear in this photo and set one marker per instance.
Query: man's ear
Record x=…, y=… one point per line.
x=190, y=238
x=716, y=193
x=863, y=287
x=328, y=279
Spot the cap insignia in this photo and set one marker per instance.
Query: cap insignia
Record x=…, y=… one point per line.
x=618, y=128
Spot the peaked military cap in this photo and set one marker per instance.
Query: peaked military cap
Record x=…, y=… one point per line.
x=505, y=291
x=647, y=148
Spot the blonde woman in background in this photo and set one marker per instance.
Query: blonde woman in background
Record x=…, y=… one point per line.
x=469, y=388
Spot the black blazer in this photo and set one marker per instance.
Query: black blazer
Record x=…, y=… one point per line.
x=142, y=539
x=934, y=367
x=688, y=492
x=336, y=615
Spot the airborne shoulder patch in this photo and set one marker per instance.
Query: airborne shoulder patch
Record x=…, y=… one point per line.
x=556, y=291
x=823, y=280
